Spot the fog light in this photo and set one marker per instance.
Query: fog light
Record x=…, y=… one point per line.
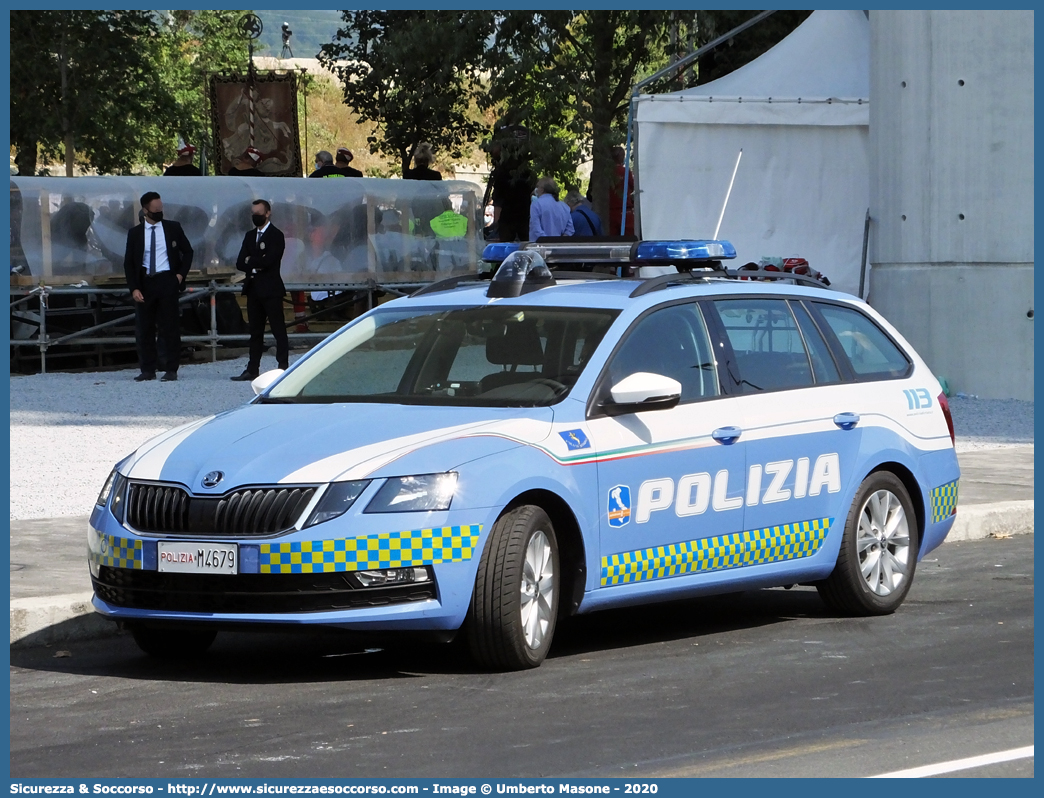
x=393, y=576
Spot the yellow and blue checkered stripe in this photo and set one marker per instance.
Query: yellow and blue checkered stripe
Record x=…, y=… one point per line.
x=118, y=552
x=772, y=544
x=386, y=550
x=944, y=501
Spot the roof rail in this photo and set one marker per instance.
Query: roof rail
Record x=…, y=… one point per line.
x=656, y=283
x=764, y=274
x=650, y=284
x=449, y=283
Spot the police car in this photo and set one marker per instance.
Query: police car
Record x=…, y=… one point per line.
x=486, y=456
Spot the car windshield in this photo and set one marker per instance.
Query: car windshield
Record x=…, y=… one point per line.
x=489, y=356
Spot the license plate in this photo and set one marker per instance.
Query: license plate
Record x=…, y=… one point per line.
x=198, y=558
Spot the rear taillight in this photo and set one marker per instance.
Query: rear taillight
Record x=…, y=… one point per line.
x=949, y=419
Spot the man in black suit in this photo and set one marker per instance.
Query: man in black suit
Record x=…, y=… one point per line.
x=260, y=257
x=156, y=264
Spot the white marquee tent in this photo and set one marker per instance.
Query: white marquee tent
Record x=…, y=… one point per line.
x=801, y=115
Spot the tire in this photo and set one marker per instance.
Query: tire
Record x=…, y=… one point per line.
x=878, y=556
x=515, y=604
x=173, y=644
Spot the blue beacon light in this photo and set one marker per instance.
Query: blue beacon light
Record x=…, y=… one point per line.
x=684, y=250
x=497, y=252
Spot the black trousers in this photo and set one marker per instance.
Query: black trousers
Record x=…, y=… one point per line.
x=260, y=309
x=158, y=315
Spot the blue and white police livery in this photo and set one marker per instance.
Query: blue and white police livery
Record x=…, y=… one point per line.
x=490, y=455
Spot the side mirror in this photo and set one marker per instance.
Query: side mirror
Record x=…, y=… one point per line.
x=262, y=381
x=642, y=391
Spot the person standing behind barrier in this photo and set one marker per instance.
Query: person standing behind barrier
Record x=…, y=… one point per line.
x=156, y=263
x=183, y=166
x=548, y=216
x=324, y=166
x=616, y=195
x=511, y=184
x=585, y=220
x=260, y=257
x=246, y=164
x=345, y=157
x=422, y=160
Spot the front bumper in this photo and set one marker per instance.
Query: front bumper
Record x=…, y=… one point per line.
x=304, y=577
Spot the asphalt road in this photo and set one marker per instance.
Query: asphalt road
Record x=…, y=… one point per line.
x=764, y=683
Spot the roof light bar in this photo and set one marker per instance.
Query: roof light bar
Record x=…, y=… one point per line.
x=674, y=251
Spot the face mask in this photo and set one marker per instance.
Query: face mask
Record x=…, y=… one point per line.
x=156, y=217
x=258, y=219
x=318, y=166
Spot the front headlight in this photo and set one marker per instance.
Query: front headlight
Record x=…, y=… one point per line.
x=338, y=498
x=103, y=497
x=415, y=494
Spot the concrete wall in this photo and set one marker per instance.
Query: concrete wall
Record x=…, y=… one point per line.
x=951, y=191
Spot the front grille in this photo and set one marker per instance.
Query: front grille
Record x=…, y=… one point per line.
x=243, y=593
x=251, y=511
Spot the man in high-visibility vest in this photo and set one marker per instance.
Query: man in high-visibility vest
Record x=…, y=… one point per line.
x=449, y=224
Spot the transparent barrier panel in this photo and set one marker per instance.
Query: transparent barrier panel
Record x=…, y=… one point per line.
x=338, y=230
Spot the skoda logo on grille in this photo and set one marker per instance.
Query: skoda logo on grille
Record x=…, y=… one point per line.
x=212, y=479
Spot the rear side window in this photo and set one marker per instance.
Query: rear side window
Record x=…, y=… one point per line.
x=770, y=354
x=869, y=350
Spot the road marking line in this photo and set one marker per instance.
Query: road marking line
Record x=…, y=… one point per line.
x=959, y=764
x=769, y=756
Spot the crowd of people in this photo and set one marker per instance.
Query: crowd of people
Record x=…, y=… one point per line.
x=158, y=253
x=524, y=208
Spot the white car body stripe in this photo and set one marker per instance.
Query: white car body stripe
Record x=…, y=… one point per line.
x=360, y=463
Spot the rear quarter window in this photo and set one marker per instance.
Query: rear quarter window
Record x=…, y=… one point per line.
x=869, y=350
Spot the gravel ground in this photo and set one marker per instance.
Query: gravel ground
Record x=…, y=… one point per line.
x=67, y=430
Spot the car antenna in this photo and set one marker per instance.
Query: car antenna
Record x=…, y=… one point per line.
x=728, y=194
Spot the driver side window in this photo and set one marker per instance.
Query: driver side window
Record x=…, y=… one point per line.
x=672, y=342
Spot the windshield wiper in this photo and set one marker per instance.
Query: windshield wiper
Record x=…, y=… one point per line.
x=274, y=400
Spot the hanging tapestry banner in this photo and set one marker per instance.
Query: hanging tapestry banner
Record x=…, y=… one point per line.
x=262, y=116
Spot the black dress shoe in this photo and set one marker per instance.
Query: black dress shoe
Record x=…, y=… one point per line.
x=283, y=366
x=145, y=376
x=246, y=376
x=170, y=376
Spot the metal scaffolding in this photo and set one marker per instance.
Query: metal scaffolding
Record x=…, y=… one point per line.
x=90, y=336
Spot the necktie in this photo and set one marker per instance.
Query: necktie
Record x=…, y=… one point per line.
x=152, y=254
x=258, y=239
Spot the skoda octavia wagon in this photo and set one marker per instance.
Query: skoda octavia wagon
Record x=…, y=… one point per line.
x=487, y=456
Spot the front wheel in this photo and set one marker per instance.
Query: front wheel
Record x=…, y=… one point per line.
x=513, y=609
x=875, y=565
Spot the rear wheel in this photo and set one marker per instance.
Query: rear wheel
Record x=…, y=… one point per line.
x=171, y=643
x=878, y=555
x=513, y=609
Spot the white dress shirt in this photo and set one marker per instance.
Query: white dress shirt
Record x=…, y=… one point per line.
x=162, y=261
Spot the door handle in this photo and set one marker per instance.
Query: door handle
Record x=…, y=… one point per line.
x=727, y=435
x=846, y=420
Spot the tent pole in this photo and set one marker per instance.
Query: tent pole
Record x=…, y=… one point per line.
x=627, y=168
x=728, y=194
x=677, y=65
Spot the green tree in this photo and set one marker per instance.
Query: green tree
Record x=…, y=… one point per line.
x=568, y=75
x=192, y=45
x=86, y=83
x=414, y=75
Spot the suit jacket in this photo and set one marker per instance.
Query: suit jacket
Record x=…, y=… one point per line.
x=261, y=261
x=179, y=253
